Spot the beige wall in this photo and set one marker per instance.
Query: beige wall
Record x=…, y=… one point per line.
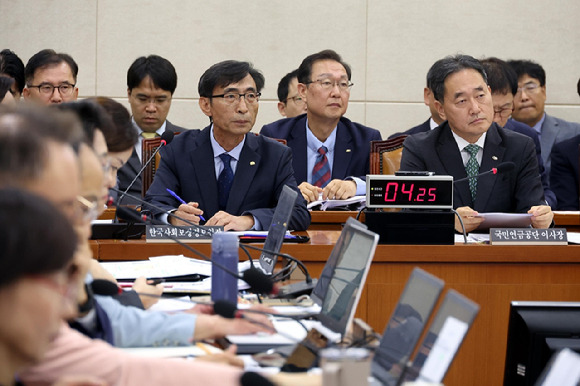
x=389, y=44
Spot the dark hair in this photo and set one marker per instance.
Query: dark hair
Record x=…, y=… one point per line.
x=24, y=132
x=5, y=84
x=527, y=67
x=442, y=68
x=160, y=70
x=284, y=85
x=121, y=135
x=501, y=78
x=305, y=69
x=35, y=237
x=48, y=58
x=91, y=115
x=578, y=87
x=11, y=65
x=227, y=72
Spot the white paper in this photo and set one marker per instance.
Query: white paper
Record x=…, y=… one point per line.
x=443, y=350
x=573, y=237
x=172, y=304
x=565, y=370
x=505, y=220
x=329, y=204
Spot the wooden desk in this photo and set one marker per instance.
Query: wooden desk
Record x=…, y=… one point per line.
x=492, y=276
x=568, y=220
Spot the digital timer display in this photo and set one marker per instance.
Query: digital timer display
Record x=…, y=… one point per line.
x=428, y=192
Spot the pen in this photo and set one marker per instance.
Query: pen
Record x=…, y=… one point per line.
x=155, y=281
x=180, y=200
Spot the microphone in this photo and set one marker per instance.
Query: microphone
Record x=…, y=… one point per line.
x=166, y=139
x=105, y=287
x=501, y=168
x=254, y=379
x=256, y=279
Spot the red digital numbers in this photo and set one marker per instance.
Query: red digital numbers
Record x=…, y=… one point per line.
x=424, y=194
x=388, y=190
x=432, y=194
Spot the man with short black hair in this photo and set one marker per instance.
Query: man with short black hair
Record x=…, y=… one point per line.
x=290, y=102
x=51, y=77
x=11, y=65
x=529, y=104
x=223, y=172
x=470, y=143
x=151, y=82
x=330, y=153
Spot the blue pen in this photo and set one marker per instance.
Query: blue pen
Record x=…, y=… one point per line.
x=180, y=200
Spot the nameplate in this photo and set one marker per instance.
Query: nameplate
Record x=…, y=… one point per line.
x=528, y=236
x=186, y=234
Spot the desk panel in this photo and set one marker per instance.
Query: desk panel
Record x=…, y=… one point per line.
x=492, y=276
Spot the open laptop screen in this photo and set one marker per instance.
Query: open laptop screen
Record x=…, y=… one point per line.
x=353, y=260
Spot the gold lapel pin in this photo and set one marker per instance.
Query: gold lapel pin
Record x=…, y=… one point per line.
x=348, y=150
x=494, y=158
x=252, y=163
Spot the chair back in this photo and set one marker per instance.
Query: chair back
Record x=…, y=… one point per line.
x=385, y=156
x=148, y=147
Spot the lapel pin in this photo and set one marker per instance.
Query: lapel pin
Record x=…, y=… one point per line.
x=494, y=158
x=252, y=163
x=348, y=150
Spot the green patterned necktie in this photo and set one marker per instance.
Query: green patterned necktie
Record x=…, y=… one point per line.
x=472, y=168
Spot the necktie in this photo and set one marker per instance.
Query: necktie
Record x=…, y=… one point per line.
x=225, y=181
x=321, y=170
x=149, y=135
x=472, y=168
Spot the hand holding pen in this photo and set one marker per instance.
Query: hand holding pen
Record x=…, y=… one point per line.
x=189, y=211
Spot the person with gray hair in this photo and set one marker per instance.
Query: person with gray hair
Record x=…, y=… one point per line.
x=470, y=143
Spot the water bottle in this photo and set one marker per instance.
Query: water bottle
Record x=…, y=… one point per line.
x=224, y=252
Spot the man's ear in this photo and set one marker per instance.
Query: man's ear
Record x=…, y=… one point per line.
x=426, y=94
x=439, y=107
x=302, y=90
x=205, y=106
x=282, y=108
x=128, y=93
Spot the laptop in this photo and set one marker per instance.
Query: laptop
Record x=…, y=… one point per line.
x=446, y=333
x=405, y=326
x=337, y=293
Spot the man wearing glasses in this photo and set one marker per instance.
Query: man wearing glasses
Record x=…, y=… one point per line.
x=291, y=103
x=224, y=174
x=51, y=77
x=529, y=103
x=331, y=153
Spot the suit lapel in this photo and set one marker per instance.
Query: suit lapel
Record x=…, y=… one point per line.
x=134, y=162
x=450, y=157
x=549, y=132
x=493, y=155
x=342, y=152
x=297, y=142
x=248, y=164
x=202, y=160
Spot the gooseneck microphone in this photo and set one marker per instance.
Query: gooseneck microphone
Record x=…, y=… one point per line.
x=166, y=139
x=501, y=168
x=256, y=279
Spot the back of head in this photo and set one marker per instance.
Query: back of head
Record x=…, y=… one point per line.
x=91, y=115
x=449, y=65
x=35, y=237
x=11, y=65
x=24, y=132
x=501, y=78
x=5, y=84
x=527, y=67
x=227, y=72
x=284, y=85
x=121, y=135
x=158, y=69
x=305, y=69
x=48, y=58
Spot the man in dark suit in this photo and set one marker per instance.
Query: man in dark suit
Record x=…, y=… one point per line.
x=470, y=142
x=564, y=173
x=431, y=123
x=529, y=104
x=331, y=153
x=230, y=176
x=151, y=82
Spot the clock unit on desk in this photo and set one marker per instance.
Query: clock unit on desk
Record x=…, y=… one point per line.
x=427, y=203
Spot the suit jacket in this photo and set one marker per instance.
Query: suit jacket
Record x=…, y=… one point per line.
x=72, y=353
x=564, y=174
x=423, y=127
x=128, y=171
x=514, y=191
x=265, y=166
x=351, y=150
x=522, y=128
x=555, y=130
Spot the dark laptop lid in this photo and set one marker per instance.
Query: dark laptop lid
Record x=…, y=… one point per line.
x=406, y=325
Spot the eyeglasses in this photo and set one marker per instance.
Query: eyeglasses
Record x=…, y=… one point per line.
x=297, y=100
x=529, y=88
x=327, y=84
x=505, y=112
x=47, y=88
x=87, y=209
x=63, y=282
x=233, y=97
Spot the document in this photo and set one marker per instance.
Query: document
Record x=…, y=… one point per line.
x=353, y=203
x=504, y=220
